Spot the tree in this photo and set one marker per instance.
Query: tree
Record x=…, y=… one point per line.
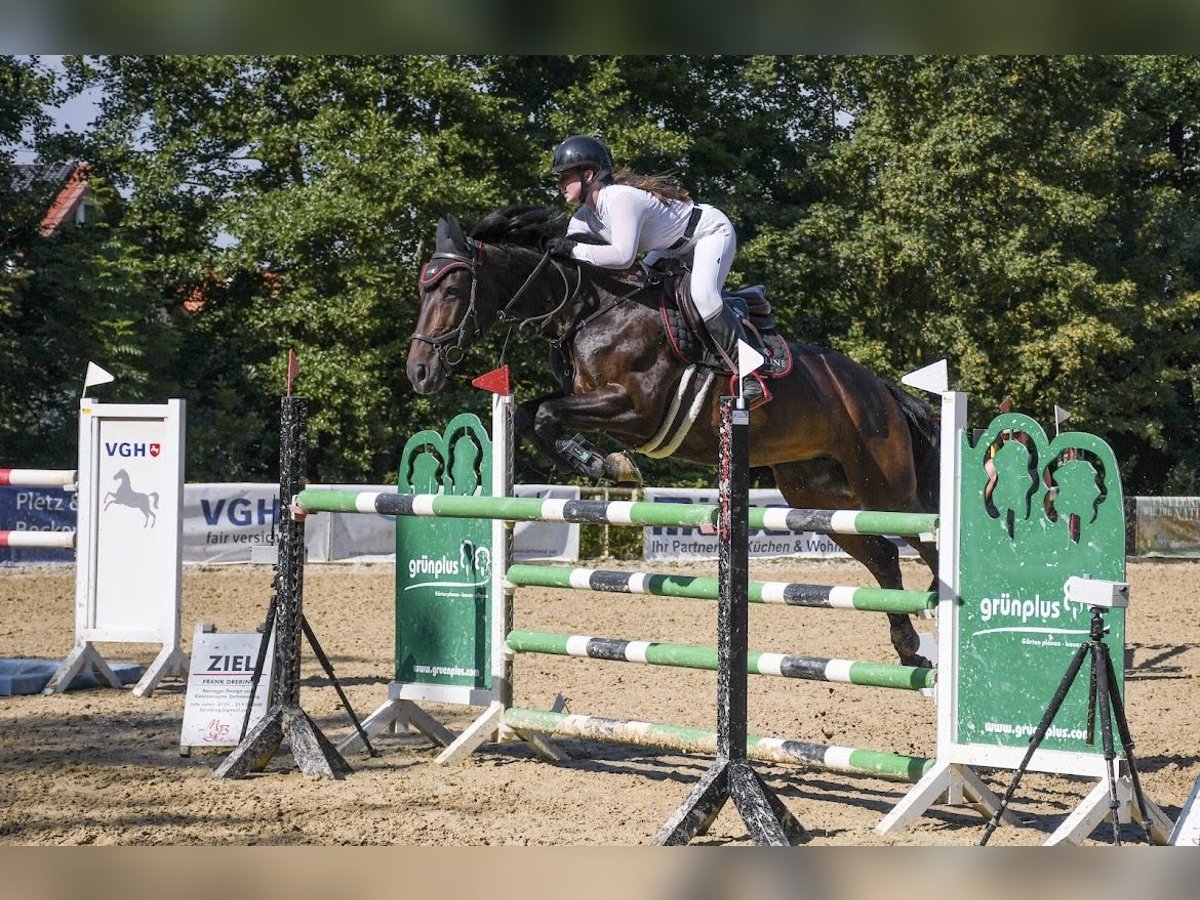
x=65, y=297
x=1032, y=219
x=296, y=197
x=1014, y=215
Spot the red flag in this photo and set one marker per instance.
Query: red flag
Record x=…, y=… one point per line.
x=293, y=369
x=495, y=381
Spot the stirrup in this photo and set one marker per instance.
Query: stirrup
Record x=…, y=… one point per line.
x=754, y=390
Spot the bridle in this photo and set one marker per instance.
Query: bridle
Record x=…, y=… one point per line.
x=452, y=346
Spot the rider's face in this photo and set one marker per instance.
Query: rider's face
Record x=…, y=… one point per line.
x=570, y=183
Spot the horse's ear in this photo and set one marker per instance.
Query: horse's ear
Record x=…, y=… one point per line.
x=456, y=233
x=442, y=240
x=450, y=237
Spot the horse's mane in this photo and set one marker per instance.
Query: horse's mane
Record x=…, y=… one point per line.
x=522, y=224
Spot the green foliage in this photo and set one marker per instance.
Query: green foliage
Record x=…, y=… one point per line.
x=81, y=295
x=1014, y=215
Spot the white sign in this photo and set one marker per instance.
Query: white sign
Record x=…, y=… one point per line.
x=128, y=583
x=547, y=541
x=218, y=687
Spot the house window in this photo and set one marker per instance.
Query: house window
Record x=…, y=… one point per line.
x=87, y=211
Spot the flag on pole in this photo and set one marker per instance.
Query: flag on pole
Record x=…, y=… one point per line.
x=1060, y=415
x=749, y=359
x=934, y=378
x=495, y=381
x=293, y=369
x=96, y=375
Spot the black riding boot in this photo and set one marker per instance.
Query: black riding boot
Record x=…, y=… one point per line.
x=725, y=331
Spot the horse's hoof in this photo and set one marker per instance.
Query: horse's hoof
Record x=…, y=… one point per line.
x=916, y=660
x=619, y=468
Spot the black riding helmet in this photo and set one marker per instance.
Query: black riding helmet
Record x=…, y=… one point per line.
x=583, y=152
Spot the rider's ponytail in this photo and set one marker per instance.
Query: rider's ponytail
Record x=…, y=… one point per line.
x=664, y=187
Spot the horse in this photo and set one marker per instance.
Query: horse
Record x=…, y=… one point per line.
x=836, y=436
x=125, y=495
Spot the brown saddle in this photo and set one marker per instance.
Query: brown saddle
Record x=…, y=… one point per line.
x=690, y=339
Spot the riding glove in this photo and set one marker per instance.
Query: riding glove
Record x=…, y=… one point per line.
x=561, y=246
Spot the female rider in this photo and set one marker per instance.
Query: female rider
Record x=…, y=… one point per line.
x=653, y=214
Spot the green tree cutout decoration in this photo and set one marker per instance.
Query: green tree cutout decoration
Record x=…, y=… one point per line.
x=1013, y=481
x=1079, y=495
x=1034, y=512
x=442, y=595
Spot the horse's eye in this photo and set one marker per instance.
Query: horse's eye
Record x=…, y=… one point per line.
x=452, y=294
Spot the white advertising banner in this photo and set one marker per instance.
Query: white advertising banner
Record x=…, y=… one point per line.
x=1167, y=527
x=236, y=523
x=222, y=522
x=661, y=543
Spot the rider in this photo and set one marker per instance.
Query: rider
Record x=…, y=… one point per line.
x=634, y=213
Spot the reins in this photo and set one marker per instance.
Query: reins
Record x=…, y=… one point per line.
x=452, y=345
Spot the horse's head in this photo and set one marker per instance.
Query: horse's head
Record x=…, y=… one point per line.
x=448, y=321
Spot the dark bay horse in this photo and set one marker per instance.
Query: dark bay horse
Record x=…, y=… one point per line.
x=835, y=435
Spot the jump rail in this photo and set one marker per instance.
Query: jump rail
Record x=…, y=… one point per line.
x=42, y=540
x=531, y=509
x=690, y=656
x=38, y=477
x=882, y=764
x=697, y=587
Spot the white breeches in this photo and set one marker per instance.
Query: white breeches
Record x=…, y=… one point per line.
x=712, y=249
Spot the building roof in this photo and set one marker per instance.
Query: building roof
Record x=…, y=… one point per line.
x=70, y=180
x=31, y=176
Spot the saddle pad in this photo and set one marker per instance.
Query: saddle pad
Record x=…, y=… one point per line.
x=692, y=348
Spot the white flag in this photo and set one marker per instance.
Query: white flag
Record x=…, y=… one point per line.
x=1060, y=416
x=96, y=375
x=934, y=378
x=749, y=359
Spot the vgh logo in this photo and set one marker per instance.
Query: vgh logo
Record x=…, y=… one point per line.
x=129, y=450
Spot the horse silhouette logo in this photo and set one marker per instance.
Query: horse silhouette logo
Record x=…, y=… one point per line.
x=125, y=495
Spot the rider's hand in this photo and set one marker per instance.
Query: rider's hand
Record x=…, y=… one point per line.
x=561, y=246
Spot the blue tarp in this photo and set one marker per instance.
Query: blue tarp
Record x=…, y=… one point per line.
x=30, y=676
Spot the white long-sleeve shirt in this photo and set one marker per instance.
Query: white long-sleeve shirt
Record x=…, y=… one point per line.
x=629, y=220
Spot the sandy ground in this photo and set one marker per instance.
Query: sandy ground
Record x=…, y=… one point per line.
x=101, y=766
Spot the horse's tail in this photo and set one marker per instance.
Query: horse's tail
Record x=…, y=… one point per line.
x=154, y=494
x=924, y=426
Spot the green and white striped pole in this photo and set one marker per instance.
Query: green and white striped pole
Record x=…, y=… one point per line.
x=690, y=656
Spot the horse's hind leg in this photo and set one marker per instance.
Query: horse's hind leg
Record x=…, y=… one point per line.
x=821, y=484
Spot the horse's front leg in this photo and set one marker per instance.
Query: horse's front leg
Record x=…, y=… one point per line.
x=545, y=421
